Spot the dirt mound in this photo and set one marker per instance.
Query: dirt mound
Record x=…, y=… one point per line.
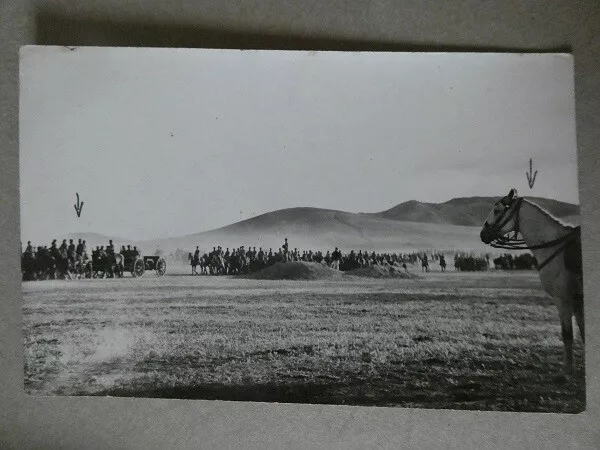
x=379, y=271
x=295, y=271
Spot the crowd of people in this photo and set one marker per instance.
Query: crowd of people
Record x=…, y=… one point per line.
x=74, y=260
x=70, y=260
x=239, y=260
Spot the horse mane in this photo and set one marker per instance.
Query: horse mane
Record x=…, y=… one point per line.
x=550, y=216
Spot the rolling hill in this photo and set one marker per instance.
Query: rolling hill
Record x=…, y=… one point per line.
x=408, y=226
x=467, y=211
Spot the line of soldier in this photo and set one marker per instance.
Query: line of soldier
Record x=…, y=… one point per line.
x=65, y=251
x=128, y=253
x=71, y=251
x=335, y=259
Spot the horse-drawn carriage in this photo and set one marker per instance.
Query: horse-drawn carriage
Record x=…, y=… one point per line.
x=117, y=264
x=57, y=263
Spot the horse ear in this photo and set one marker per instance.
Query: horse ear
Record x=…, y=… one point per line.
x=512, y=194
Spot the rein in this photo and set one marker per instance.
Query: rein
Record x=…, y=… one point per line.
x=513, y=243
x=509, y=243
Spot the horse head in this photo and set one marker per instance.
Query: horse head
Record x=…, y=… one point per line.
x=502, y=219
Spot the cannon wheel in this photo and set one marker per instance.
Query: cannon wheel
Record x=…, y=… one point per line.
x=138, y=267
x=161, y=267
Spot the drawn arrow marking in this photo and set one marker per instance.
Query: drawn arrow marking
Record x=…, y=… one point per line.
x=531, y=175
x=78, y=206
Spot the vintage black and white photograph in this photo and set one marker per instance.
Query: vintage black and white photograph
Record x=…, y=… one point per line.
x=346, y=228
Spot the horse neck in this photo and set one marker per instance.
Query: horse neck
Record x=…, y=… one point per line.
x=538, y=227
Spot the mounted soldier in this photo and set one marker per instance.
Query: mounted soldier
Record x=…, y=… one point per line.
x=79, y=249
x=336, y=256
x=425, y=263
x=285, y=250
x=63, y=261
x=63, y=248
x=328, y=258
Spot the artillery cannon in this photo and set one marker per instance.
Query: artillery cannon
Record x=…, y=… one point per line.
x=139, y=265
x=116, y=265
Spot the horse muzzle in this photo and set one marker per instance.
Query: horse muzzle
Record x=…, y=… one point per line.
x=486, y=235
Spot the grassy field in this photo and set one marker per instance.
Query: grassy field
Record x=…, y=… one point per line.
x=485, y=341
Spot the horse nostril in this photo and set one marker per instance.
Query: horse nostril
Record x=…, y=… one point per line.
x=483, y=235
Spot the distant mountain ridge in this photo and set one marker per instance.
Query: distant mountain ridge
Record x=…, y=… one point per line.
x=454, y=224
x=466, y=211
x=410, y=225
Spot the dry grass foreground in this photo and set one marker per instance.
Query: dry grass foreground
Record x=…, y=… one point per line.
x=482, y=341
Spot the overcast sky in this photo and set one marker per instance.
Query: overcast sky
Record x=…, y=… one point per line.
x=166, y=142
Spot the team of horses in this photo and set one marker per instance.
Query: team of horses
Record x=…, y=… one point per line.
x=44, y=265
x=242, y=262
x=518, y=223
x=217, y=264
x=237, y=262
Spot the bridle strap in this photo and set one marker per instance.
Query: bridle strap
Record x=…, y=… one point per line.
x=506, y=242
x=568, y=238
x=561, y=239
x=515, y=210
x=519, y=244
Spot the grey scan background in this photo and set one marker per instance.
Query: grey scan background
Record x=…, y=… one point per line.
x=354, y=25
